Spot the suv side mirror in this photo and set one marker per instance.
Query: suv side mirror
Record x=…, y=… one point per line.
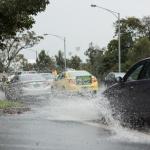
x=119, y=79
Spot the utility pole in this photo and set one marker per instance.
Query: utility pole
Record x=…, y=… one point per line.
x=117, y=15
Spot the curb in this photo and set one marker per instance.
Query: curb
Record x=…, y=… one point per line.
x=18, y=110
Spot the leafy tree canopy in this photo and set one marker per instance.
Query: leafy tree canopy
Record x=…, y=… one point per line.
x=44, y=62
x=74, y=62
x=60, y=61
x=17, y=15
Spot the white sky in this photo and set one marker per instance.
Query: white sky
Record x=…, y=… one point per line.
x=81, y=24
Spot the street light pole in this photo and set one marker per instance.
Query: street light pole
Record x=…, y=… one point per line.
x=117, y=15
x=65, y=53
x=119, y=43
x=64, y=41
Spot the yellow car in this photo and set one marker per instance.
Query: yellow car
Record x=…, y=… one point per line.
x=76, y=81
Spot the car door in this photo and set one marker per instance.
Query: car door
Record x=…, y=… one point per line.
x=126, y=96
x=140, y=92
x=60, y=81
x=137, y=86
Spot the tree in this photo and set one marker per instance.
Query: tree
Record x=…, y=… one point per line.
x=135, y=45
x=135, y=34
x=19, y=63
x=92, y=53
x=17, y=16
x=44, y=62
x=132, y=29
x=74, y=62
x=140, y=50
x=131, y=25
x=146, y=26
x=60, y=62
x=30, y=67
x=15, y=44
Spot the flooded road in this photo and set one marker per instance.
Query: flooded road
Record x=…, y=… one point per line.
x=69, y=122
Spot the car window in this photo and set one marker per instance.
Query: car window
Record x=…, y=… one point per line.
x=61, y=76
x=146, y=74
x=134, y=75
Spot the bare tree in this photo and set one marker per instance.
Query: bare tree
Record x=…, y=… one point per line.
x=12, y=45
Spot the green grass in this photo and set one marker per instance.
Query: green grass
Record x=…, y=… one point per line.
x=9, y=104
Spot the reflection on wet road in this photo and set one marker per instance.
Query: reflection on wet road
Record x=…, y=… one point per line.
x=67, y=122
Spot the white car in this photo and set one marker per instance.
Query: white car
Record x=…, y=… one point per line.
x=49, y=77
x=26, y=85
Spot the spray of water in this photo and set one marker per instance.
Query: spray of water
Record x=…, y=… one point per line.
x=91, y=110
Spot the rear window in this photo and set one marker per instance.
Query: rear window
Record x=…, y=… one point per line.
x=31, y=77
x=83, y=80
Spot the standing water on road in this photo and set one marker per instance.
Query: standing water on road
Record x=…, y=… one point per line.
x=91, y=110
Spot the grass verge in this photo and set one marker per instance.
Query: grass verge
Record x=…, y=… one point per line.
x=4, y=104
x=12, y=107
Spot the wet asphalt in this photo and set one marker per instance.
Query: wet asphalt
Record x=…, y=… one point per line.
x=34, y=130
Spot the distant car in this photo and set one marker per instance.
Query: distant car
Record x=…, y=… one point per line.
x=76, y=81
x=49, y=77
x=111, y=78
x=25, y=85
x=27, y=72
x=130, y=97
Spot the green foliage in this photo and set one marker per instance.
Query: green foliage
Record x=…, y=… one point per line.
x=74, y=62
x=17, y=15
x=131, y=25
x=146, y=26
x=19, y=63
x=7, y=104
x=93, y=53
x=135, y=45
x=140, y=50
x=44, y=62
x=15, y=44
x=60, y=61
x=16, y=18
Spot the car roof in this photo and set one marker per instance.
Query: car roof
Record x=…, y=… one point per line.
x=78, y=73
x=148, y=58
x=30, y=74
x=45, y=73
x=142, y=60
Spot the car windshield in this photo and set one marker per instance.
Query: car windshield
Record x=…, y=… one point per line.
x=47, y=76
x=31, y=77
x=78, y=73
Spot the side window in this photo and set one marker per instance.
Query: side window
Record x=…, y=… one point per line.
x=135, y=74
x=147, y=72
x=61, y=76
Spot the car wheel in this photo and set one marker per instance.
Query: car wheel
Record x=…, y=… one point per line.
x=8, y=97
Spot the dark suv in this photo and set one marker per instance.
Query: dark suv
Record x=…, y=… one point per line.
x=130, y=97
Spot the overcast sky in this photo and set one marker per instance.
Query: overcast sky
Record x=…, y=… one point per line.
x=81, y=24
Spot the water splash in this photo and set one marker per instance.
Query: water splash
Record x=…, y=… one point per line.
x=90, y=110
